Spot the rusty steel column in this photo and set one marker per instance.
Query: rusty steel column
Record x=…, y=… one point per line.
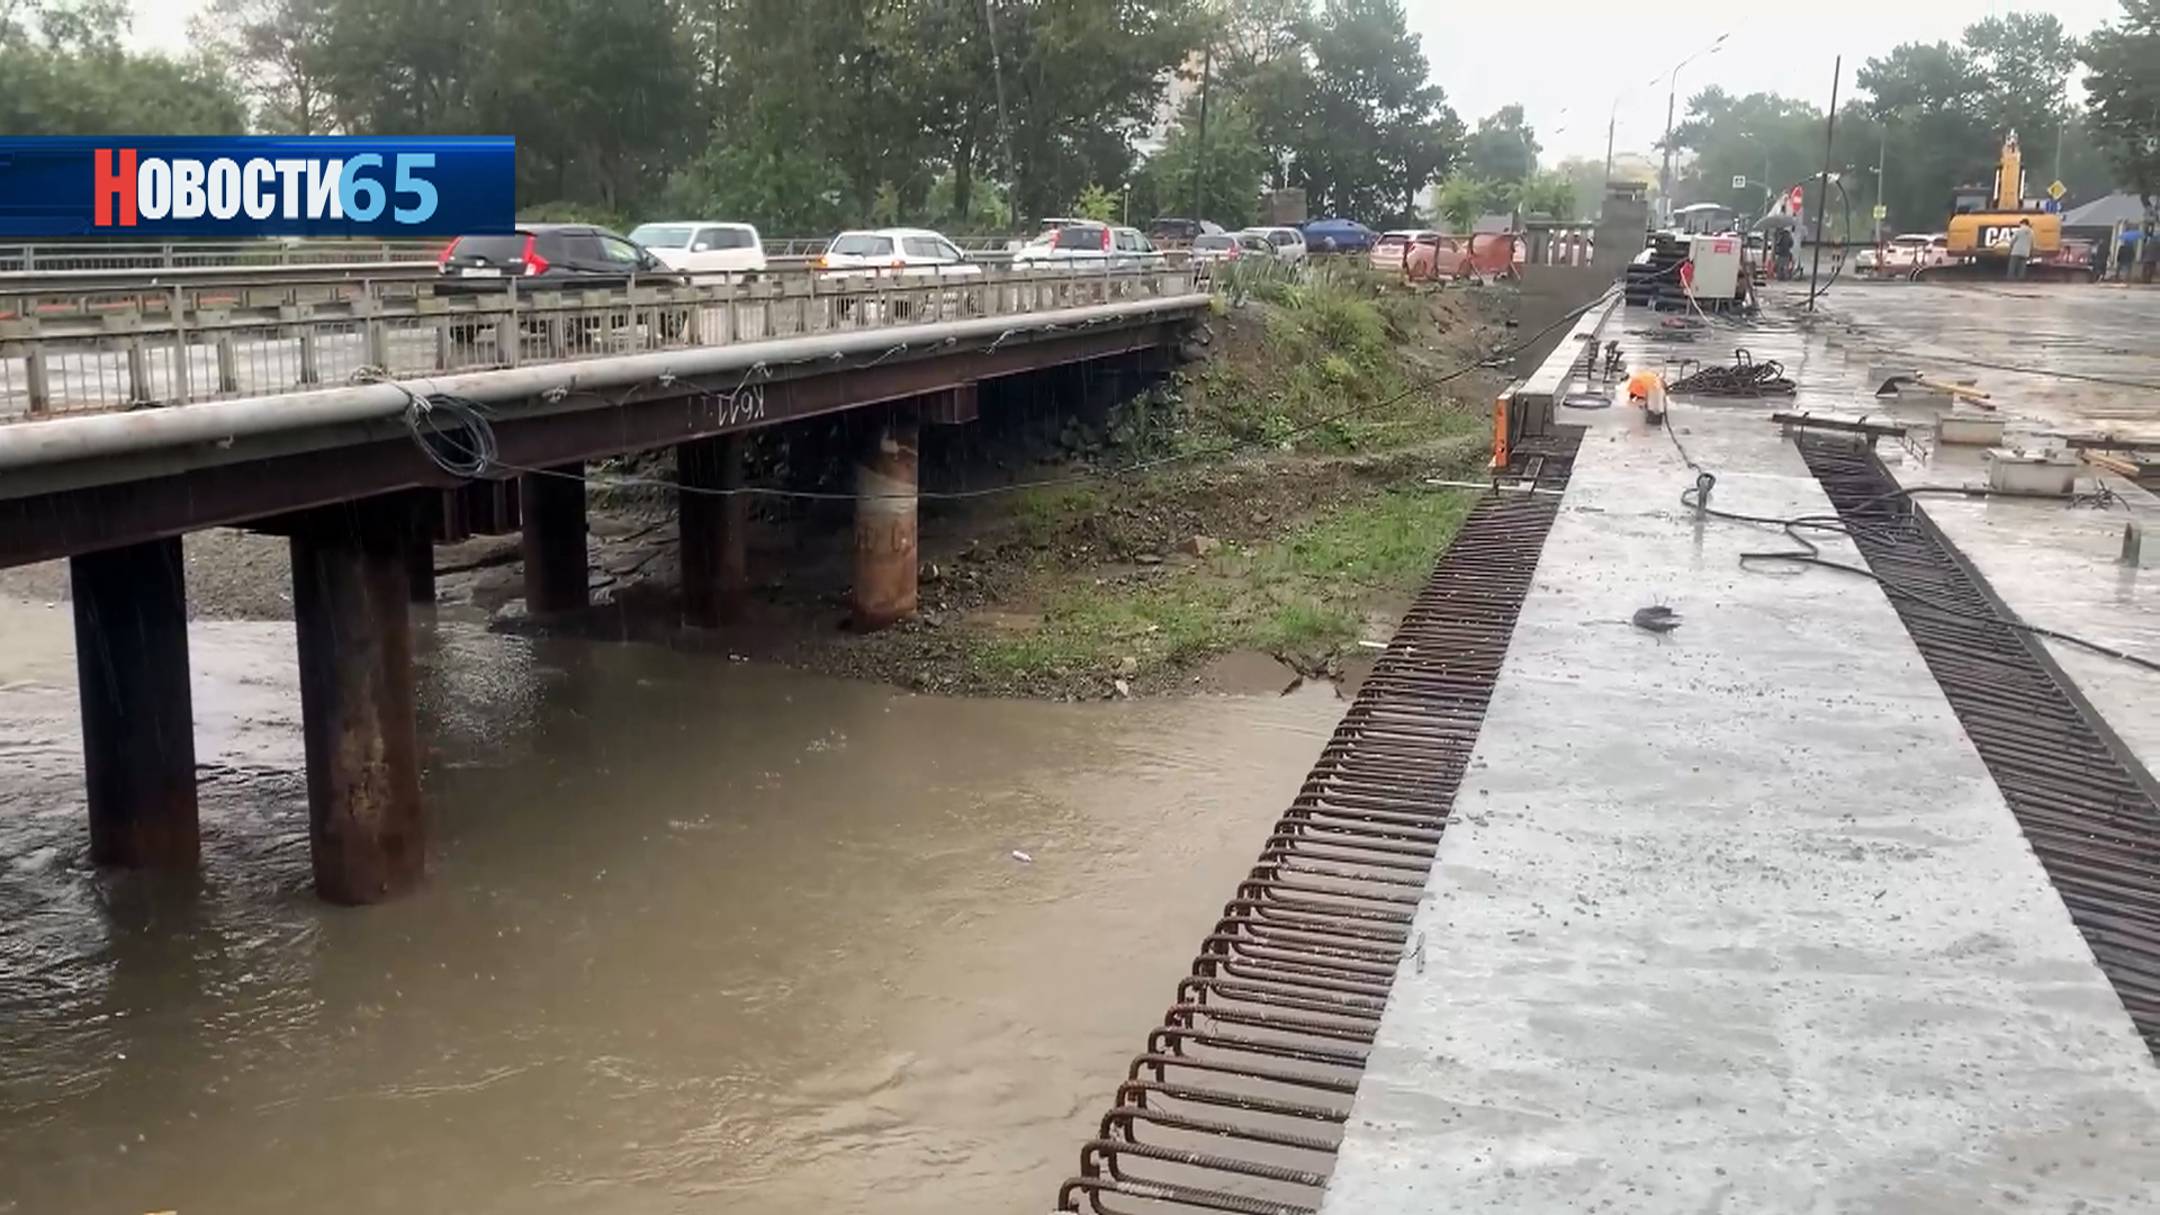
x=715, y=578
x=885, y=558
x=138, y=720
x=350, y=587
x=553, y=512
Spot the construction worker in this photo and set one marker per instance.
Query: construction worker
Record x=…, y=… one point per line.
x=2021, y=246
x=1782, y=268
x=1646, y=391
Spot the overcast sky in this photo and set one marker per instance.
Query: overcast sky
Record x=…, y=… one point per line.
x=1567, y=63
x=1568, y=60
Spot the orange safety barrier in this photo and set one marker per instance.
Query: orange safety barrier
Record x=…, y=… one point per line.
x=1485, y=254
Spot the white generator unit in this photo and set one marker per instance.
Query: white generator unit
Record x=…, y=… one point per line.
x=1717, y=266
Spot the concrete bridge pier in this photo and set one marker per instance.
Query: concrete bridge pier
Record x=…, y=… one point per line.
x=420, y=569
x=138, y=723
x=427, y=521
x=552, y=506
x=885, y=521
x=351, y=584
x=715, y=573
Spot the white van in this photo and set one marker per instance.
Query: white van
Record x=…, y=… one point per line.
x=704, y=247
x=1289, y=242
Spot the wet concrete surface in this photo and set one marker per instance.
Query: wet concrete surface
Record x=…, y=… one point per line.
x=2058, y=566
x=2055, y=564
x=699, y=935
x=1735, y=920
x=2018, y=341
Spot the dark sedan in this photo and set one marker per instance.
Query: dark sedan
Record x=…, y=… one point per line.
x=548, y=255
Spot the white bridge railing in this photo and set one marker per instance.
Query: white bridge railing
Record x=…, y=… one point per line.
x=92, y=351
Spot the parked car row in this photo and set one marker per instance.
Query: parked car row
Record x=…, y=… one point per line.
x=711, y=250
x=1218, y=248
x=1319, y=236
x=1088, y=244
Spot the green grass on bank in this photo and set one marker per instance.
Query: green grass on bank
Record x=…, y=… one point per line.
x=1329, y=375
x=1305, y=595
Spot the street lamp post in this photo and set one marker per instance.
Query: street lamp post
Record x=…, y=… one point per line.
x=1882, y=152
x=1612, y=121
x=1672, y=92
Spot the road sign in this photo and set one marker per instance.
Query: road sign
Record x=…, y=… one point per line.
x=1881, y=212
x=1739, y=181
x=2056, y=190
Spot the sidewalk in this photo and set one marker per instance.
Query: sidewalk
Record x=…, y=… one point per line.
x=1736, y=920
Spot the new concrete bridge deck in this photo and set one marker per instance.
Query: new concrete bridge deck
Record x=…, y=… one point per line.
x=1736, y=919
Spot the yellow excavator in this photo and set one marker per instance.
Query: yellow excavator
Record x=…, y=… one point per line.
x=1983, y=218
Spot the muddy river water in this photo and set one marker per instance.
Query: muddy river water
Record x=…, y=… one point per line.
x=699, y=935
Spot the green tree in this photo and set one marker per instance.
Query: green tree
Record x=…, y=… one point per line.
x=2123, y=91
x=1096, y=203
x=767, y=180
x=597, y=91
x=2023, y=63
x=1940, y=112
x=1082, y=80
x=1548, y=194
x=278, y=52
x=1504, y=148
x=1372, y=130
x=1771, y=141
x=986, y=209
x=1586, y=182
x=1236, y=167
x=1462, y=198
x=63, y=71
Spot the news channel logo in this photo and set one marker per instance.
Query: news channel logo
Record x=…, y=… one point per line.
x=150, y=188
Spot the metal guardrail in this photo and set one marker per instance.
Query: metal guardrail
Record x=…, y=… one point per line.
x=119, y=264
x=59, y=258
x=93, y=351
x=42, y=280
x=15, y=286
x=811, y=246
x=56, y=256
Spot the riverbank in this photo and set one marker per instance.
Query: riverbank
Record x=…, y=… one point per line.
x=1247, y=523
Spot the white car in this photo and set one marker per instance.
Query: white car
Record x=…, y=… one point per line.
x=1289, y=242
x=1905, y=254
x=1091, y=244
x=704, y=246
x=899, y=252
x=1391, y=252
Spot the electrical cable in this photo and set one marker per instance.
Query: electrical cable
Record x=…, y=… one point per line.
x=1743, y=378
x=1810, y=554
x=1837, y=266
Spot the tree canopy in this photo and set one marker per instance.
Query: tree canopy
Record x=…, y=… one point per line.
x=1504, y=147
x=63, y=71
x=1933, y=116
x=1341, y=102
x=2124, y=89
